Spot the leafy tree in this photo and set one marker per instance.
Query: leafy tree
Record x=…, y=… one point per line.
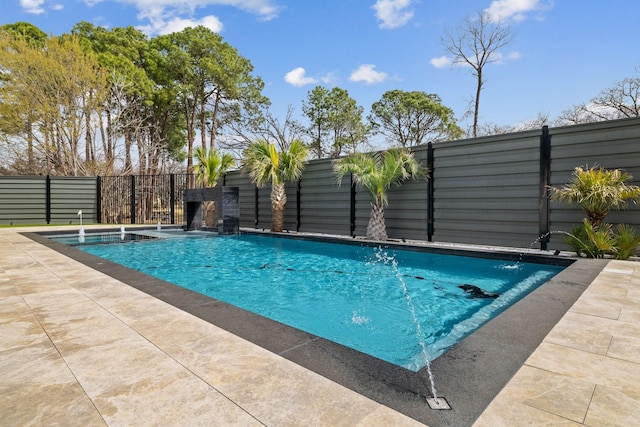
x=265, y=163
x=475, y=43
x=377, y=172
x=48, y=99
x=28, y=32
x=316, y=110
x=597, y=191
x=336, y=122
x=209, y=79
x=127, y=109
x=408, y=118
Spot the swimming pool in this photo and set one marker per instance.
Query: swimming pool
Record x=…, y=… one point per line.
x=381, y=301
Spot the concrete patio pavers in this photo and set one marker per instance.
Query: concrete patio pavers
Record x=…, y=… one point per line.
x=78, y=347
x=587, y=369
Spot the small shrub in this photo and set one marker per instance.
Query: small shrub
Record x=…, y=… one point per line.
x=627, y=241
x=602, y=239
x=579, y=242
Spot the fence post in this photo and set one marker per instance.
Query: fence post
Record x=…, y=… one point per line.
x=298, y=205
x=430, y=192
x=256, y=210
x=133, y=199
x=352, y=209
x=545, y=177
x=172, y=197
x=98, y=200
x=47, y=195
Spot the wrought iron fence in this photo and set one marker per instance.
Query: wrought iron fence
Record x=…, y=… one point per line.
x=142, y=199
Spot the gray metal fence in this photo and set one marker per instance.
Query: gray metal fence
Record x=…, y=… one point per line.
x=490, y=190
x=47, y=200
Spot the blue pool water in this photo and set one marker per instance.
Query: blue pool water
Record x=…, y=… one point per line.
x=373, y=300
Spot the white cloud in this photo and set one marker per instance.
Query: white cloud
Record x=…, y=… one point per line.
x=166, y=16
x=367, y=73
x=393, y=13
x=297, y=77
x=513, y=56
x=329, y=79
x=175, y=25
x=501, y=58
x=501, y=10
x=265, y=9
x=497, y=57
x=57, y=6
x=441, y=62
x=32, y=6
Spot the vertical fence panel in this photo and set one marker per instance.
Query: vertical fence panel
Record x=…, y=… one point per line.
x=247, y=191
x=325, y=206
x=115, y=199
x=23, y=200
x=70, y=195
x=407, y=214
x=487, y=190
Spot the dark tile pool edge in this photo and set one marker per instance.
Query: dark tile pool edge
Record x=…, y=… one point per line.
x=469, y=375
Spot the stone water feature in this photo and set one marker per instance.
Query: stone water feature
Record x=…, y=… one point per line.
x=225, y=210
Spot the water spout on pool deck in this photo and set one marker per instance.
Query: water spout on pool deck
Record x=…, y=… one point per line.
x=81, y=231
x=383, y=257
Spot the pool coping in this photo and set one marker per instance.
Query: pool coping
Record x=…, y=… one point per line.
x=469, y=375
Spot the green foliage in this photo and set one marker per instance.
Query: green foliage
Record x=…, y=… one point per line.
x=210, y=166
x=48, y=99
x=579, y=241
x=601, y=238
x=413, y=118
x=336, y=122
x=604, y=240
x=377, y=172
x=265, y=164
x=33, y=35
x=627, y=241
x=598, y=191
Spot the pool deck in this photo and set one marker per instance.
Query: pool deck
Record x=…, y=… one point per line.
x=78, y=347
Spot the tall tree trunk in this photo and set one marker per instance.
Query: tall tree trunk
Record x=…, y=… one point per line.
x=476, y=106
x=214, y=123
x=278, y=201
x=377, y=230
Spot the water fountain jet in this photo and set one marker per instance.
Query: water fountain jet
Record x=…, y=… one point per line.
x=434, y=402
x=81, y=231
x=549, y=233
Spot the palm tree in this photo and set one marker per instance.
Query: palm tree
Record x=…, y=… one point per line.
x=377, y=172
x=265, y=164
x=210, y=166
x=597, y=191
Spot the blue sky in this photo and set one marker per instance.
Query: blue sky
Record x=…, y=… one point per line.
x=564, y=52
